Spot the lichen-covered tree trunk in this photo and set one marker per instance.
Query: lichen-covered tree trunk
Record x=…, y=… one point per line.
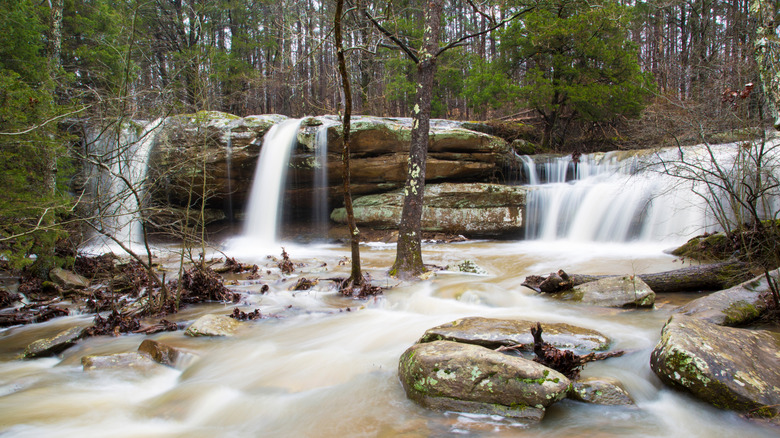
x=767, y=52
x=408, y=259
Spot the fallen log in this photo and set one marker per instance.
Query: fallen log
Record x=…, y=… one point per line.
x=717, y=276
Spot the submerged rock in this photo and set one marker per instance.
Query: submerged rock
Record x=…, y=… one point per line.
x=494, y=333
x=470, y=209
x=727, y=367
x=165, y=354
x=452, y=376
x=472, y=268
x=54, y=345
x=627, y=291
x=600, y=391
x=738, y=305
x=213, y=325
x=135, y=361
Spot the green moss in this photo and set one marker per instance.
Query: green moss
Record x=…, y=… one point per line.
x=741, y=312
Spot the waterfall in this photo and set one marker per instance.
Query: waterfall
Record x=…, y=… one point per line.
x=117, y=171
x=264, y=208
x=603, y=198
x=229, y=165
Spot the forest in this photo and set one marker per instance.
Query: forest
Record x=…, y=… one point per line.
x=399, y=218
x=569, y=75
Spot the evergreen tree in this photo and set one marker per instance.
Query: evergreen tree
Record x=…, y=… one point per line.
x=29, y=142
x=578, y=62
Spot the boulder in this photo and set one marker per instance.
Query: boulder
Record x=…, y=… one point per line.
x=626, y=291
x=494, y=333
x=165, y=354
x=600, y=391
x=476, y=209
x=54, y=345
x=738, y=305
x=451, y=376
x=471, y=268
x=728, y=367
x=136, y=361
x=213, y=325
x=68, y=279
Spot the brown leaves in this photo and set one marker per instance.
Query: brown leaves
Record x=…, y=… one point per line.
x=286, y=265
x=205, y=285
x=563, y=361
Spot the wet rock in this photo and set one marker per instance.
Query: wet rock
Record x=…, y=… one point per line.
x=738, y=305
x=471, y=268
x=54, y=345
x=494, y=333
x=727, y=367
x=627, y=291
x=135, y=361
x=68, y=279
x=452, y=376
x=213, y=325
x=600, y=391
x=470, y=209
x=165, y=354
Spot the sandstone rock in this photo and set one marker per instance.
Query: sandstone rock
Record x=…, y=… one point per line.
x=493, y=333
x=54, y=345
x=600, y=391
x=213, y=325
x=445, y=375
x=135, y=361
x=165, y=354
x=628, y=291
x=727, y=367
x=740, y=304
x=467, y=209
x=68, y=279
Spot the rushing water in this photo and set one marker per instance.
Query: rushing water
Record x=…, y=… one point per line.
x=318, y=370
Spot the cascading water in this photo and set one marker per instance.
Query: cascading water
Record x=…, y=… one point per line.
x=228, y=166
x=118, y=168
x=267, y=193
x=603, y=198
x=320, y=201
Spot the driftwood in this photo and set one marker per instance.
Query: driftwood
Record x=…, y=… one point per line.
x=716, y=276
x=563, y=361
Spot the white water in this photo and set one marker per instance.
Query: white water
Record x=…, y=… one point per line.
x=264, y=209
x=603, y=198
x=319, y=371
x=321, y=207
x=118, y=181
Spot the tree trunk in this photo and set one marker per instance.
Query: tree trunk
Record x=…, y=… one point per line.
x=408, y=261
x=356, y=275
x=767, y=49
x=712, y=277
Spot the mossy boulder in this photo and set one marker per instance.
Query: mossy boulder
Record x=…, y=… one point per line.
x=494, y=333
x=452, y=376
x=735, y=306
x=600, y=391
x=708, y=248
x=470, y=209
x=625, y=291
x=728, y=367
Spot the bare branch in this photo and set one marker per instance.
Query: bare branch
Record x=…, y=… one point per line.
x=460, y=40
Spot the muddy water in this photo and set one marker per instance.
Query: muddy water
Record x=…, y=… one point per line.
x=317, y=369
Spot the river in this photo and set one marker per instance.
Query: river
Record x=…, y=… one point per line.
x=326, y=366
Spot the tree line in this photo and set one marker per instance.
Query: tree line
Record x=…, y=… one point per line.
x=572, y=66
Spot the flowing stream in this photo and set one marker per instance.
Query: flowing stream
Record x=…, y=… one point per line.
x=325, y=366
x=321, y=365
